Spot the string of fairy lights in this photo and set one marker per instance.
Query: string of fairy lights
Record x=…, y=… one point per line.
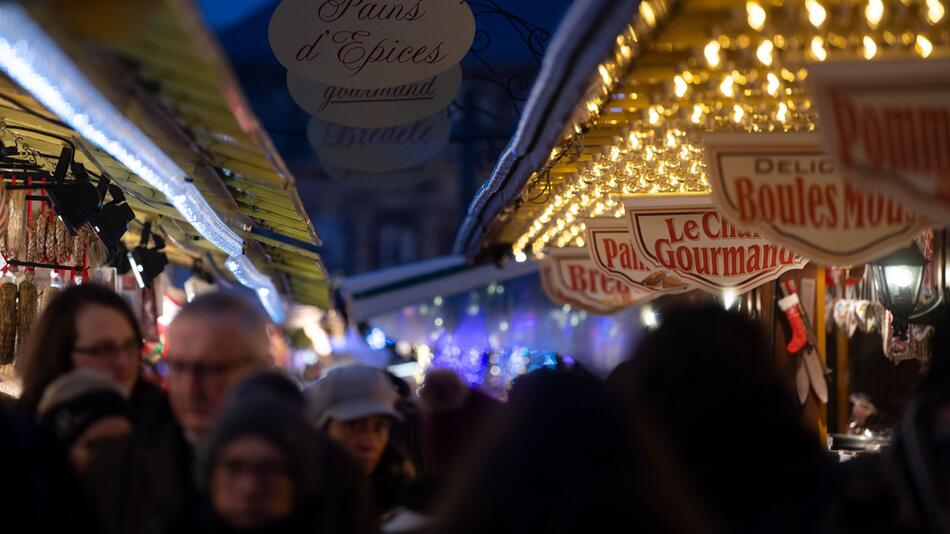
x=747, y=77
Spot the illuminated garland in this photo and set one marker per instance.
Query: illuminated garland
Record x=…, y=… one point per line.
x=741, y=79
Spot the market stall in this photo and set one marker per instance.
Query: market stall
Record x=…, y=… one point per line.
x=746, y=151
x=191, y=128
x=124, y=152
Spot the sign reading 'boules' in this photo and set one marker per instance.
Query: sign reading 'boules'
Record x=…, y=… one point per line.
x=370, y=43
x=688, y=235
x=613, y=252
x=887, y=124
x=786, y=187
x=569, y=277
x=379, y=107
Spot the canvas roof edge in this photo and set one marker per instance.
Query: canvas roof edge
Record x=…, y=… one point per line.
x=24, y=64
x=161, y=124
x=144, y=112
x=237, y=102
x=585, y=37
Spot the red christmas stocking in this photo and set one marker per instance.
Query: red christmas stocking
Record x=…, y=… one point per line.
x=789, y=305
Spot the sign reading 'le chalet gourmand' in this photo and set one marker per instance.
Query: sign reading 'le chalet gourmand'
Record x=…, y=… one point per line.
x=786, y=187
x=612, y=251
x=887, y=124
x=569, y=277
x=688, y=235
x=370, y=43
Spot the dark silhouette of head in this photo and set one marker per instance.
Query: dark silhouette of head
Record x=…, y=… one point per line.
x=716, y=428
x=557, y=462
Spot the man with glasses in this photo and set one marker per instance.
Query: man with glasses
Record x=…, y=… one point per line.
x=213, y=343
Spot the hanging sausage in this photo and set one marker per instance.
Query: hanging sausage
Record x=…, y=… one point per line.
x=27, y=300
x=8, y=320
x=16, y=227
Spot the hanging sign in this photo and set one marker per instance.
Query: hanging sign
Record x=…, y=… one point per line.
x=569, y=277
x=887, y=125
x=370, y=44
x=688, y=235
x=379, y=149
x=786, y=187
x=398, y=179
x=612, y=251
x=376, y=108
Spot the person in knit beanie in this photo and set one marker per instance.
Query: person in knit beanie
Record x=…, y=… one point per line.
x=84, y=408
x=265, y=469
x=256, y=468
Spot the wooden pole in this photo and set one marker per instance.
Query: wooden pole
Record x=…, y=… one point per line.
x=842, y=369
x=819, y=326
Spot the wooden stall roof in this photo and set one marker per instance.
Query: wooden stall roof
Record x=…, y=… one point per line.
x=680, y=68
x=170, y=78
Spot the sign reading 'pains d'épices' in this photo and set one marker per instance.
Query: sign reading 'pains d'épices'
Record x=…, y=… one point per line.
x=688, y=235
x=787, y=188
x=887, y=125
x=612, y=251
x=378, y=107
x=569, y=277
x=371, y=43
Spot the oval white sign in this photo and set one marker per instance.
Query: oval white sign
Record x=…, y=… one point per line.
x=378, y=107
x=380, y=149
x=367, y=44
x=398, y=179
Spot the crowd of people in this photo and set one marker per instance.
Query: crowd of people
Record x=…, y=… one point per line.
x=697, y=432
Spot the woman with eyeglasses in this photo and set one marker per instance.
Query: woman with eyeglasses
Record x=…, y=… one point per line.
x=90, y=326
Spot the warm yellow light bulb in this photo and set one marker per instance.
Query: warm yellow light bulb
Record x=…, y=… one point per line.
x=604, y=74
x=764, y=52
x=634, y=141
x=816, y=13
x=874, y=12
x=679, y=86
x=737, y=113
x=727, y=87
x=671, y=140
x=647, y=13
x=711, y=52
x=756, y=15
x=697, y=116
x=772, y=84
x=817, y=48
x=654, y=116
x=935, y=11
x=923, y=46
x=782, y=114
x=870, y=47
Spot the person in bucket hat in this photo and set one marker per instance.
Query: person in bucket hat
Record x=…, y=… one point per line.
x=355, y=406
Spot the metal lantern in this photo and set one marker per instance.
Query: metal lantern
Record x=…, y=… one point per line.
x=898, y=277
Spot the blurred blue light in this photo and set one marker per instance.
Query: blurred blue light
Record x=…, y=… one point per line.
x=376, y=339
